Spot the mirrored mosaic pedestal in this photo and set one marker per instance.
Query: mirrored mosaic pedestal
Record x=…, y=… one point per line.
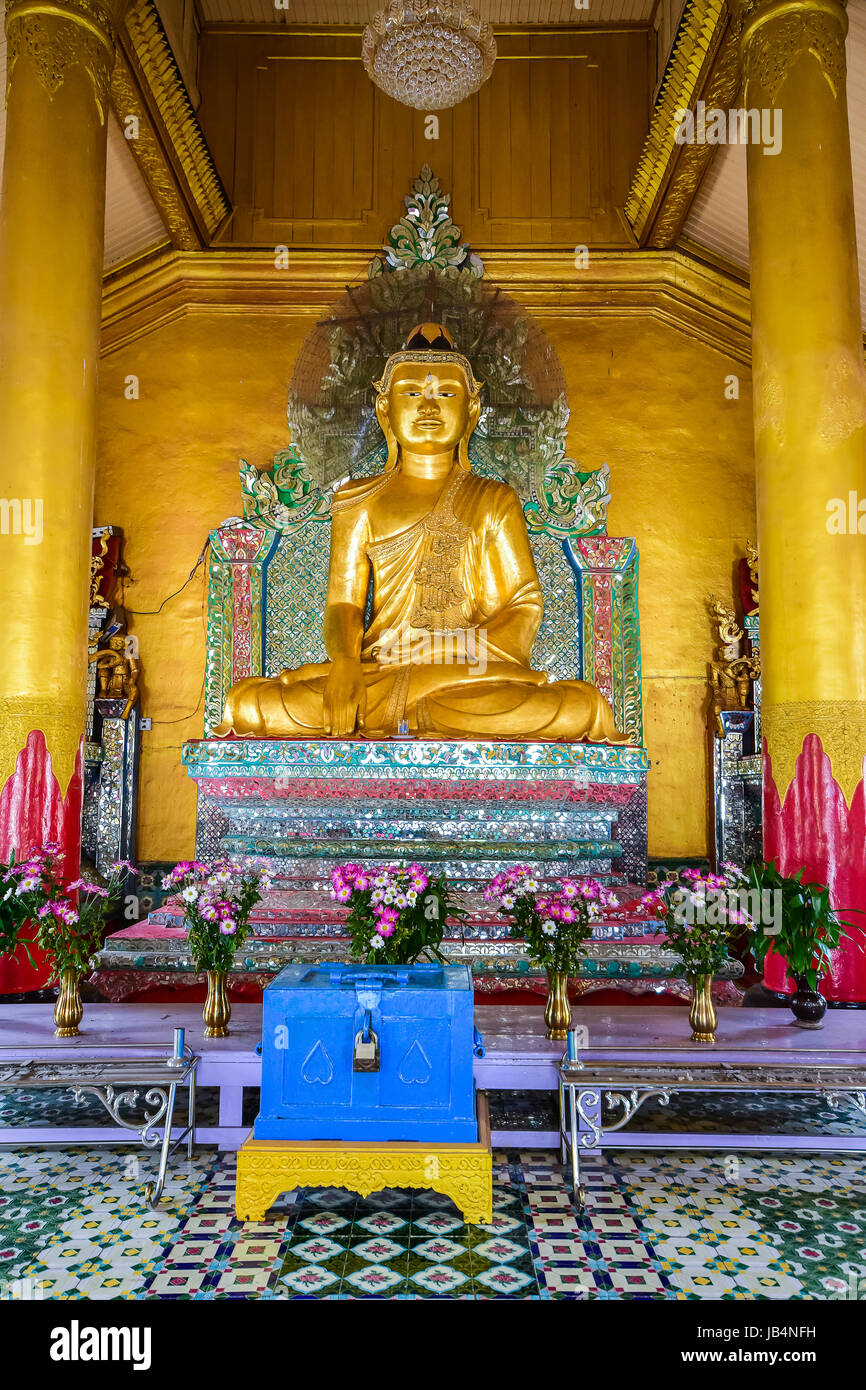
x=475, y=807
x=469, y=809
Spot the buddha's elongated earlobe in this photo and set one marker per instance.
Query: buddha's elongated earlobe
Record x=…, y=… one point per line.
x=474, y=414
x=384, y=417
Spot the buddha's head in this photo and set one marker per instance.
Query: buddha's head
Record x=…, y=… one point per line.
x=428, y=401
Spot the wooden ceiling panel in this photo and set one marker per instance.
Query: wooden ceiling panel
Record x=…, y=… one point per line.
x=132, y=222
x=322, y=13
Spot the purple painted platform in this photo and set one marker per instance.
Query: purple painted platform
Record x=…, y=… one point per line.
x=518, y=1057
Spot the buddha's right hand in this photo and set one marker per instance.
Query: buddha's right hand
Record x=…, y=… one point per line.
x=345, y=698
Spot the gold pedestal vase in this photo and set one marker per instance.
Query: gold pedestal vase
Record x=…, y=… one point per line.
x=217, y=1009
x=69, y=1010
x=557, y=1014
x=702, y=1014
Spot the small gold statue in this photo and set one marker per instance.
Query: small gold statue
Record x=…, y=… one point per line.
x=456, y=601
x=117, y=670
x=730, y=675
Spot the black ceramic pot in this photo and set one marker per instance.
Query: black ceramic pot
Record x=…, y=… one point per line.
x=808, y=1007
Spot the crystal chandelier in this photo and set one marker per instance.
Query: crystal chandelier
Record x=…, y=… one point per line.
x=429, y=54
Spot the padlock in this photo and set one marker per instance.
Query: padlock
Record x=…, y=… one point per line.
x=365, y=1056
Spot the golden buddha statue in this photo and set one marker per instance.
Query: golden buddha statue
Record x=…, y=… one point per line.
x=456, y=601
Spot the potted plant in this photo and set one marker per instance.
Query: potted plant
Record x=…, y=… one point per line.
x=809, y=931
x=396, y=915
x=556, y=926
x=698, y=916
x=70, y=922
x=218, y=899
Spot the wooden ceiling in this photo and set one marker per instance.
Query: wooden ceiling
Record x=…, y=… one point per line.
x=359, y=12
x=718, y=219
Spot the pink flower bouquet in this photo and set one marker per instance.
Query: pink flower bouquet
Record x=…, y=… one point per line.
x=555, y=923
x=69, y=916
x=218, y=899
x=396, y=915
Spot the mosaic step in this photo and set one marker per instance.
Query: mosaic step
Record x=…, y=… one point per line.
x=443, y=851
x=165, y=950
x=421, y=801
x=310, y=912
x=415, y=817
x=464, y=875
x=296, y=926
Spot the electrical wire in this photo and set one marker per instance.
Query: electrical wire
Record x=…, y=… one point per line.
x=182, y=717
x=152, y=612
x=189, y=577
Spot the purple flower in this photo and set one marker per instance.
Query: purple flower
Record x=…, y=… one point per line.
x=123, y=866
x=81, y=884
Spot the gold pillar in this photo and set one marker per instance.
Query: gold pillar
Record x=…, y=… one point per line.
x=52, y=210
x=810, y=437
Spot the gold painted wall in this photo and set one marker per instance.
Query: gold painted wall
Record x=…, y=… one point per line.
x=645, y=398
x=651, y=402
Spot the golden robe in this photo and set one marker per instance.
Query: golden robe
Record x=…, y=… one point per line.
x=465, y=570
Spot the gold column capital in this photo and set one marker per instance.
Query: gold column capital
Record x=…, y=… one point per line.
x=775, y=33
x=61, y=722
x=100, y=17
x=752, y=14
x=58, y=35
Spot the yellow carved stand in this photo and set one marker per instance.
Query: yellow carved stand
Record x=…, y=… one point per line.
x=463, y=1172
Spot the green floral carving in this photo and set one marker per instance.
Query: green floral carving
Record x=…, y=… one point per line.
x=282, y=498
x=567, y=502
x=425, y=234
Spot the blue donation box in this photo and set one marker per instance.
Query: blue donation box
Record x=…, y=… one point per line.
x=368, y=1052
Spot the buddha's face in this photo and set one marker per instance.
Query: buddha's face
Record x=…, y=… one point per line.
x=429, y=407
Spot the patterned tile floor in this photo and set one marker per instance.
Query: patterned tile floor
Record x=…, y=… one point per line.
x=525, y=1110
x=658, y=1226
